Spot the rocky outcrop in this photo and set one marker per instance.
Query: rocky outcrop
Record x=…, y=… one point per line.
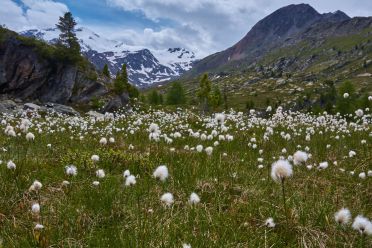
x=116, y=102
x=27, y=74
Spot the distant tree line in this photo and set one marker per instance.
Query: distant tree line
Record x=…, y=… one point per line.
x=207, y=97
x=345, y=100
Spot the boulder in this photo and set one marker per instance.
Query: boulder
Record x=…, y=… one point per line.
x=116, y=103
x=31, y=106
x=7, y=106
x=95, y=114
x=62, y=109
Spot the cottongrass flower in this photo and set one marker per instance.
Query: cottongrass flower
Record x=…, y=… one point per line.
x=126, y=173
x=112, y=140
x=30, y=136
x=194, y=199
x=362, y=224
x=167, y=199
x=220, y=118
x=186, y=245
x=352, y=154
x=209, y=150
x=130, y=180
x=39, y=227
x=100, y=173
x=346, y=95
x=199, y=148
x=35, y=186
x=71, y=170
x=323, y=165
x=11, y=165
x=270, y=223
x=161, y=173
x=362, y=175
x=359, y=113
x=280, y=170
x=300, y=157
x=65, y=183
x=95, y=158
x=103, y=141
x=154, y=128
x=35, y=208
x=343, y=216
x=95, y=183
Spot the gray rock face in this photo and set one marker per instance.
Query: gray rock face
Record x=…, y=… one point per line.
x=25, y=74
x=7, y=106
x=116, y=103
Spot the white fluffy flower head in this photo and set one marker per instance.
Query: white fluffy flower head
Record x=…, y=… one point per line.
x=281, y=170
x=343, y=216
x=161, y=173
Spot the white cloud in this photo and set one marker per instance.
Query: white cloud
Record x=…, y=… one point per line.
x=215, y=23
x=34, y=14
x=203, y=26
x=182, y=36
x=12, y=15
x=218, y=24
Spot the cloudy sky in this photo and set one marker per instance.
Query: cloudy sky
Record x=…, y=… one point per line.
x=203, y=26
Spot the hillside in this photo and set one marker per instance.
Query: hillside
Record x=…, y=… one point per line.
x=288, y=55
x=274, y=31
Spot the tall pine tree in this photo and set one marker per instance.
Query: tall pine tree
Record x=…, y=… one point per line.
x=121, y=81
x=176, y=94
x=67, y=37
x=105, y=71
x=204, y=92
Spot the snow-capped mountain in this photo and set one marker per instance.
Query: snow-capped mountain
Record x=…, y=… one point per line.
x=145, y=66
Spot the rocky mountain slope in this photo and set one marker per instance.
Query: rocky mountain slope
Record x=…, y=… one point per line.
x=288, y=55
x=30, y=70
x=285, y=27
x=145, y=66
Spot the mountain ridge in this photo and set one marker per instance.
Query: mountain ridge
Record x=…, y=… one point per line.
x=267, y=34
x=145, y=66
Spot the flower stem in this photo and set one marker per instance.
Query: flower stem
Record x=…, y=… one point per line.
x=284, y=204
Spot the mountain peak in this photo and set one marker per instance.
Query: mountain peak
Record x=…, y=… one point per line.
x=277, y=26
x=281, y=27
x=336, y=16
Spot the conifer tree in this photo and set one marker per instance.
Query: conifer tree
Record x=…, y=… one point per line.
x=105, y=71
x=121, y=80
x=67, y=37
x=204, y=92
x=216, y=97
x=153, y=97
x=176, y=94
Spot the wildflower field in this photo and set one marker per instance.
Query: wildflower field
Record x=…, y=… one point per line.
x=178, y=179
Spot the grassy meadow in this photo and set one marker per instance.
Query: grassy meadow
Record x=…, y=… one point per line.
x=230, y=173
